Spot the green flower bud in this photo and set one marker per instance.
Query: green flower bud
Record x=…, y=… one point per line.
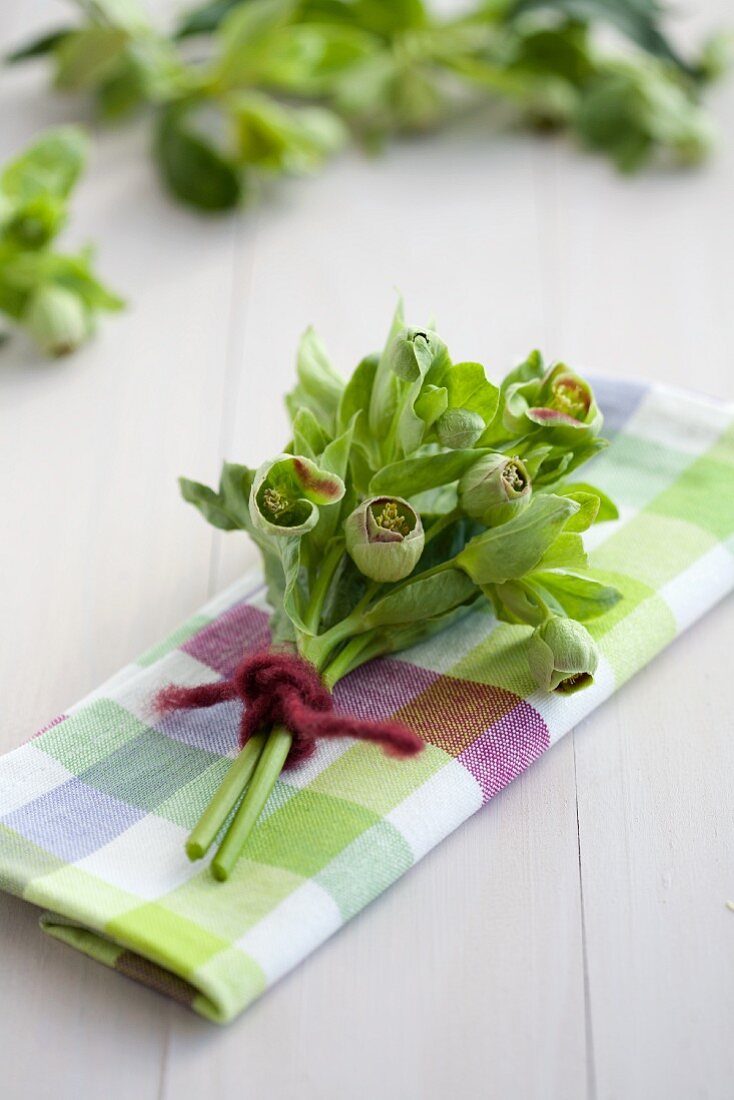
x=561, y=402
x=57, y=319
x=495, y=489
x=562, y=656
x=286, y=493
x=411, y=353
x=384, y=538
x=459, y=428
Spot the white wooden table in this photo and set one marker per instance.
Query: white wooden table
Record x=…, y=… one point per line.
x=572, y=940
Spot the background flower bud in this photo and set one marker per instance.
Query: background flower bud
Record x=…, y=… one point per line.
x=562, y=656
x=57, y=319
x=286, y=493
x=385, y=538
x=495, y=489
x=459, y=428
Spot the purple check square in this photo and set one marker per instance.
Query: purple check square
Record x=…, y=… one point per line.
x=73, y=820
x=222, y=644
x=215, y=729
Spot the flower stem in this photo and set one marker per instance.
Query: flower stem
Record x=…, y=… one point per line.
x=228, y=793
x=266, y=774
x=346, y=660
x=322, y=584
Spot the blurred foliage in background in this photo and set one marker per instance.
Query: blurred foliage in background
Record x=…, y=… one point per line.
x=54, y=296
x=245, y=89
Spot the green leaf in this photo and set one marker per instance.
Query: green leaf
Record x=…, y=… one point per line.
x=309, y=438
x=430, y=404
x=638, y=20
x=277, y=138
x=193, y=170
x=206, y=19
x=309, y=59
x=469, y=388
x=50, y=166
x=26, y=270
x=87, y=57
x=581, y=598
x=424, y=597
x=356, y=395
x=334, y=459
x=243, y=35
x=319, y=386
x=415, y=475
x=294, y=592
x=565, y=552
x=588, y=509
x=228, y=509
x=39, y=47
x=607, y=508
x=514, y=549
x=560, y=462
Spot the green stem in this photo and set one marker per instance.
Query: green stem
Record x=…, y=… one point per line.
x=318, y=649
x=268, y=769
x=322, y=584
x=204, y=833
x=346, y=660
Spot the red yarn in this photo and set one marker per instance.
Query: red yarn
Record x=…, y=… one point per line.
x=280, y=689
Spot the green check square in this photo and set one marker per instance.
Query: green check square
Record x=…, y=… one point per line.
x=653, y=547
x=635, y=470
x=174, y=640
x=23, y=862
x=229, y=909
x=188, y=802
x=80, y=895
x=164, y=937
x=366, y=867
x=229, y=982
x=703, y=495
x=91, y=733
x=148, y=769
x=500, y=660
x=307, y=832
x=366, y=776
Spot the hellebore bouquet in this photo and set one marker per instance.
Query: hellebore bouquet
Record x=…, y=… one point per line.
x=407, y=495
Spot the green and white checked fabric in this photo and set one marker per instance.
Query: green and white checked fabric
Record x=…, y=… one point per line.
x=94, y=811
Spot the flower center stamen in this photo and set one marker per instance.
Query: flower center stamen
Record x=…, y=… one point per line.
x=570, y=398
x=390, y=519
x=513, y=476
x=275, y=502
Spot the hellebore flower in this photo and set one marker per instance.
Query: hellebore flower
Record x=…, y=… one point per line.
x=562, y=656
x=495, y=489
x=458, y=428
x=286, y=493
x=57, y=319
x=560, y=401
x=384, y=537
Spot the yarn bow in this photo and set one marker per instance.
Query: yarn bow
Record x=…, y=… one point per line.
x=283, y=689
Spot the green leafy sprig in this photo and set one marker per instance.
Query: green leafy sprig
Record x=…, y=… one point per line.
x=246, y=89
x=409, y=495
x=54, y=296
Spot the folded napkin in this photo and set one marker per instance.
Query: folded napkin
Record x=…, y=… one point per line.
x=94, y=811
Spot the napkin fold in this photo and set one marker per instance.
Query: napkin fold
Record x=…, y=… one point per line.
x=94, y=810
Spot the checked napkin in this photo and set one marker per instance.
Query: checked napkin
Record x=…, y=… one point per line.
x=94, y=811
